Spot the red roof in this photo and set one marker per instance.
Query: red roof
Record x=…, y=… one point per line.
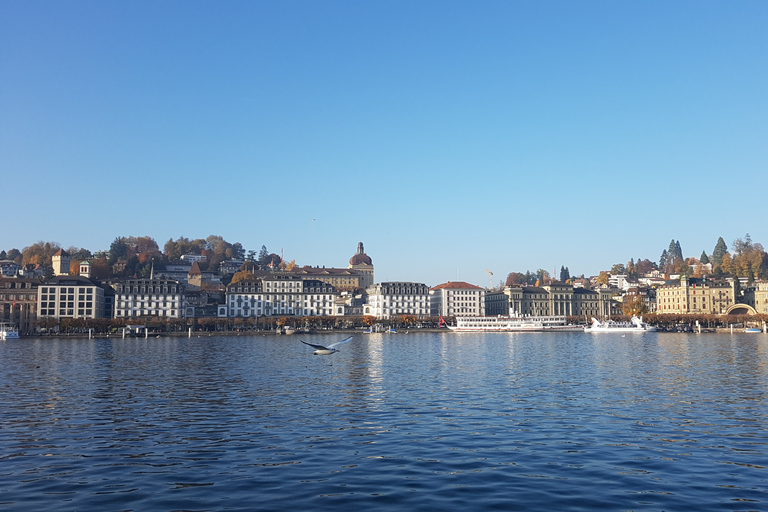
x=452, y=285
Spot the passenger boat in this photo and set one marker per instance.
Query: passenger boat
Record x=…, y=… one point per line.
x=634, y=325
x=513, y=323
x=8, y=333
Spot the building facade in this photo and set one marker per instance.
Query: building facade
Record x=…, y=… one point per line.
x=457, y=299
x=148, y=297
x=280, y=294
x=552, y=299
x=60, y=262
x=387, y=300
x=18, y=302
x=757, y=297
x=343, y=279
x=70, y=297
x=694, y=295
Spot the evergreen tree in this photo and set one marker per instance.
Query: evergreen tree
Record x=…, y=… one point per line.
x=663, y=260
x=678, y=250
x=704, y=259
x=263, y=255
x=719, y=252
x=564, y=274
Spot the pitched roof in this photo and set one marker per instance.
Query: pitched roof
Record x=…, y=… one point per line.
x=456, y=285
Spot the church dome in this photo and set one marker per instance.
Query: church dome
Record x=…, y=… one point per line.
x=360, y=258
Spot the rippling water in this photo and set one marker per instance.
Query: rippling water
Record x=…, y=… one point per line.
x=425, y=421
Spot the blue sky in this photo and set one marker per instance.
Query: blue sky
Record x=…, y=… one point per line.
x=568, y=133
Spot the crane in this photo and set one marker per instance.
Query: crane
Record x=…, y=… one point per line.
x=490, y=279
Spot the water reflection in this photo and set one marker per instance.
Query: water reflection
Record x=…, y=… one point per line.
x=568, y=421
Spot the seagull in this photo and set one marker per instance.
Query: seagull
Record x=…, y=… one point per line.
x=325, y=351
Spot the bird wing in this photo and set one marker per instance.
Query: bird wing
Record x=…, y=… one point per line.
x=339, y=342
x=318, y=347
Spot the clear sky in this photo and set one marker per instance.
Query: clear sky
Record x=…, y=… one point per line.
x=449, y=137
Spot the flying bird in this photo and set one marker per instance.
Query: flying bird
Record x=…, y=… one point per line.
x=325, y=351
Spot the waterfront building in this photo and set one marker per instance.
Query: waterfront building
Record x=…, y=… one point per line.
x=280, y=294
x=70, y=297
x=18, y=302
x=757, y=297
x=552, y=299
x=148, y=297
x=457, y=298
x=390, y=299
x=694, y=295
x=588, y=303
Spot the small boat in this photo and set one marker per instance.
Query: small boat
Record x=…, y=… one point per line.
x=634, y=325
x=8, y=333
x=752, y=329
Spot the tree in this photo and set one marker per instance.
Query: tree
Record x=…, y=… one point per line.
x=40, y=253
x=742, y=245
x=663, y=260
x=515, y=279
x=100, y=268
x=719, y=252
x=634, y=305
x=603, y=277
x=704, y=259
x=240, y=275
x=14, y=255
x=542, y=277
x=118, y=249
x=618, y=269
x=645, y=266
x=631, y=269
x=565, y=274
x=263, y=256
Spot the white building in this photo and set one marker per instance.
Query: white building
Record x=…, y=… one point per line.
x=69, y=297
x=148, y=297
x=192, y=258
x=457, y=299
x=280, y=294
x=387, y=300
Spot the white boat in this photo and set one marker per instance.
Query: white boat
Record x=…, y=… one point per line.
x=634, y=325
x=513, y=323
x=8, y=333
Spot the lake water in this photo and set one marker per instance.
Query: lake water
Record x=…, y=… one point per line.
x=419, y=421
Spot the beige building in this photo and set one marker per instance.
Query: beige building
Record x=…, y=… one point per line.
x=18, y=302
x=757, y=297
x=60, y=262
x=551, y=299
x=343, y=279
x=694, y=295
